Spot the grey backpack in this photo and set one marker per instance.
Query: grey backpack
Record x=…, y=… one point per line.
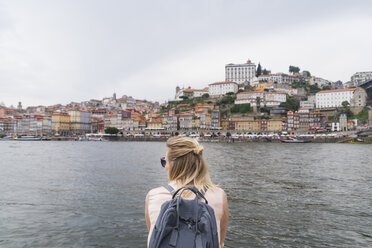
x=185, y=223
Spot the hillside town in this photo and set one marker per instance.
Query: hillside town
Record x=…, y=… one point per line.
x=250, y=100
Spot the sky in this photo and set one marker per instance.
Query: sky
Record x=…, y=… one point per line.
x=55, y=52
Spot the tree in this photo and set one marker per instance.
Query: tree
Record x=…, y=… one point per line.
x=240, y=90
x=206, y=95
x=308, y=74
x=259, y=70
x=184, y=97
x=265, y=72
x=230, y=93
x=111, y=130
x=226, y=100
x=291, y=104
x=294, y=69
x=326, y=87
x=345, y=104
x=314, y=89
x=241, y=108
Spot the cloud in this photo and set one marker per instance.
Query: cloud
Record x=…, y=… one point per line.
x=61, y=51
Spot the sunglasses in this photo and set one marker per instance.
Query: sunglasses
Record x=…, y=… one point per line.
x=163, y=161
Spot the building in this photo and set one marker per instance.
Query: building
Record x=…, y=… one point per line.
x=370, y=117
x=240, y=73
x=343, y=122
x=215, y=120
x=264, y=85
x=80, y=121
x=172, y=122
x=221, y=88
x=278, y=78
x=316, y=120
x=359, y=98
x=190, y=93
x=155, y=124
x=356, y=97
x=274, y=125
x=265, y=99
x=303, y=118
x=307, y=104
x=185, y=121
x=247, y=125
x=293, y=122
x=2, y=112
x=360, y=77
x=113, y=120
x=61, y=123
x=319, y=81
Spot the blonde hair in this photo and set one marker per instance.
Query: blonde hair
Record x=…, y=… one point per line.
x=188, y=167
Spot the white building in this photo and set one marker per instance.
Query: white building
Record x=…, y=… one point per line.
x=361, y=77
x=319, y=81
x=221, y=88
x=240, y=73
x=280, y=78
x=333, y=98
x=268, y=99
x=307, y=104
x=189, y=92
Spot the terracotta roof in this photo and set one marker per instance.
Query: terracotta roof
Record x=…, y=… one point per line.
x=226, y=82
x=340, y=90
x=251, y=92
x=192, y=90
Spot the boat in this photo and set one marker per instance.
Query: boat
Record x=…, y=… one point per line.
x=359, y=141
x=294, y=140
x=27, y=138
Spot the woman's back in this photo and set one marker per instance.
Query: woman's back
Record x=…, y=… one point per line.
x=216, y=199
x=185, y=165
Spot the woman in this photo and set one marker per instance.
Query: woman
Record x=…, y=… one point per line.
x=185, y=165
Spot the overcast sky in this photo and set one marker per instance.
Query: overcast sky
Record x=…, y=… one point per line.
x=61, y=51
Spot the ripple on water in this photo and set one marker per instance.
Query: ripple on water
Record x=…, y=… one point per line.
x=91, y=194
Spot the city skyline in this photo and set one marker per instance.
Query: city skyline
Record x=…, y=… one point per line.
x=55, y=53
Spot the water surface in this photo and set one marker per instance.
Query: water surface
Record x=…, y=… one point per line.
x=91, y=194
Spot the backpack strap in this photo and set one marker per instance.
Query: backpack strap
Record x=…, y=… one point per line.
x=169, y=188
x=204, y=190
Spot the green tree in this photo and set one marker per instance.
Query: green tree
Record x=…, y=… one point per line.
x=111, y=130
x=184, y=97
x=205, y=95
x=230, y=93
x=291, y=104
x=294, y=69
x=240, y=90
x=265, y=72
x=326, y=87
x=226, y=100
x=345, y=104
x=308, y=74
x=314, y=88
x=259, y=70
x=241, y=108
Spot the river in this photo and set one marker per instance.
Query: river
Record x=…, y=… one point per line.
x=91, y=194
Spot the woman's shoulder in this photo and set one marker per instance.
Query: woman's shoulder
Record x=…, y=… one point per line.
x=217, y=192
x=158, y=190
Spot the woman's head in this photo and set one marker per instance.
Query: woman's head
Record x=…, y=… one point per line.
x=185, y=162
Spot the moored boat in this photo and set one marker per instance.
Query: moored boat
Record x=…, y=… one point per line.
x=27, y=138
x=359, y=141
x=294, y=141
